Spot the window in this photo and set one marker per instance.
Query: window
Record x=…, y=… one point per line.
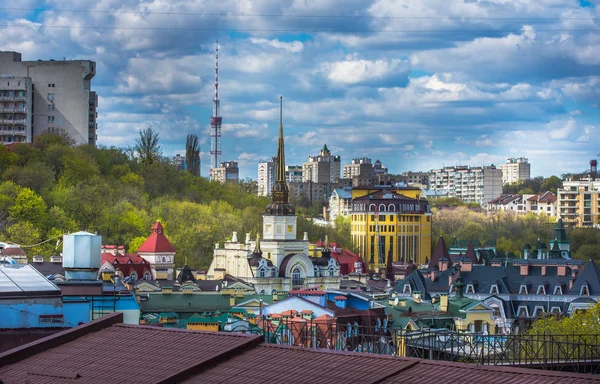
x=147, y=276
x=51, y=107
x=297, y=277
x=538, y=310
x=406, y=288
x=133, y=276
x=261, y=272
x=470, y=288
x=585, y=291
x=555, y=310
x=51, y=96
x=51, y=119
x=51, y=85
x=523, y=290
x=290, y=227
x=558, y=290
x=541, y=290
x=523, y=312
x=494, y=290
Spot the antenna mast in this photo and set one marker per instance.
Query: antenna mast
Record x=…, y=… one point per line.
x=215, y=121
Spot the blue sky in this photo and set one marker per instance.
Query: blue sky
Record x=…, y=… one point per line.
x=416, y=84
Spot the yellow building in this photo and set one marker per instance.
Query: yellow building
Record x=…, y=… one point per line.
x=578, y=203
x=391, y=219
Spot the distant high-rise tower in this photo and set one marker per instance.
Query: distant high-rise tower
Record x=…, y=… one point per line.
x=215, y=121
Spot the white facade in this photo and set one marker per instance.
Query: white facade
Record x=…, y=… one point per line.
x=61, y=95
x=470, y=184
x=340, y=203
x=266, y=177
x=515, y=170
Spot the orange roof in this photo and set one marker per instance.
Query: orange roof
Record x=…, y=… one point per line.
x=340, y=297
x=289, y=313
x=325, y=319
x=157, y=241
x=307, y=311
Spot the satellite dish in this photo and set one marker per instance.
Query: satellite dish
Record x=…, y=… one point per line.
x=396, y=301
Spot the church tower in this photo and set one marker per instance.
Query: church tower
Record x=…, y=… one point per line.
x=279, y=220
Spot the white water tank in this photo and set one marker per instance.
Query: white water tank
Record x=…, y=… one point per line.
x=82, y=250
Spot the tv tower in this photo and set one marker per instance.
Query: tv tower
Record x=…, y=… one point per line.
x=215, y=121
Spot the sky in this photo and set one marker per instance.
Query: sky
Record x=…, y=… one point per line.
x=416, y=84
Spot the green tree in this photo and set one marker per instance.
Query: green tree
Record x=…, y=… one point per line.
x=136, y=243
x=147, y=147
x=7, y=158
x=27, y=235
x=192, y=154
x=35, y=175
x=29, y=207
x=552, y=184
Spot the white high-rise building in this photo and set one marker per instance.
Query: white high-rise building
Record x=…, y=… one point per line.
x=49, y=96
x=515, y=170
x=470, y=184
x=266, y=177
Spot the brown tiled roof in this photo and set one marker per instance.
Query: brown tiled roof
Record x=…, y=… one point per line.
x=91, y=354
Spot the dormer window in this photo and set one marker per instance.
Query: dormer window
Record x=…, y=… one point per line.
x=585, y=291
x=147, y=276
x=494, y=290
x=523, y=289
x=555, y=310
x=541, y=290
x=523, y=311
x=470, y=288
x=407, y=289
x=557, y=290
x=538, y=310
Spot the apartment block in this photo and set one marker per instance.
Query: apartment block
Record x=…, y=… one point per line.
x=228, y=172
x=421, y=178
x=515, y=170
x=340, y=203
x=359, y=166
x=59, y=100
x=266, y=177
x=579, y=202
x=323, y=168
x=16, y=101
x=293, y=173
x=470, y=184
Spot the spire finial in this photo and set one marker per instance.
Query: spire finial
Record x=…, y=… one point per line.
x=281, y=111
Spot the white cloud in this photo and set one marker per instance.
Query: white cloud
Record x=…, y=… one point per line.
x=354, y=70
x=293, y=46
x=561, y=130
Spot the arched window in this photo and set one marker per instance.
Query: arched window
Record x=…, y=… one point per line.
x=133, y=276
x=297, y=277
x=391, y=208
x=381, y=207
x=372, y=207
x=261, y=272
x=164, y=259
x=147, y=276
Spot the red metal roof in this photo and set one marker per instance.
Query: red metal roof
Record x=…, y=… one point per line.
x=13, y=251
x=340, y=297
x=90, y=354
x=157, y=242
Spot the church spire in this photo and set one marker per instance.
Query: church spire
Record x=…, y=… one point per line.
x=280, y=193
x=280, y=171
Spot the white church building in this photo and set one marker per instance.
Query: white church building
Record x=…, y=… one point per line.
x=278, y=262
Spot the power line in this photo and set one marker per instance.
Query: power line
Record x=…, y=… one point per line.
x=515, y=30
x=151, y=12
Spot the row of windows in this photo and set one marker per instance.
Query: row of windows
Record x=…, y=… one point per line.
x=541, y=290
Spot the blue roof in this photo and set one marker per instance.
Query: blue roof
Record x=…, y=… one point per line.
x=344, y=193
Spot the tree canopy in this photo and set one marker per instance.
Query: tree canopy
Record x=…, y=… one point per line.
x=50, y=188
